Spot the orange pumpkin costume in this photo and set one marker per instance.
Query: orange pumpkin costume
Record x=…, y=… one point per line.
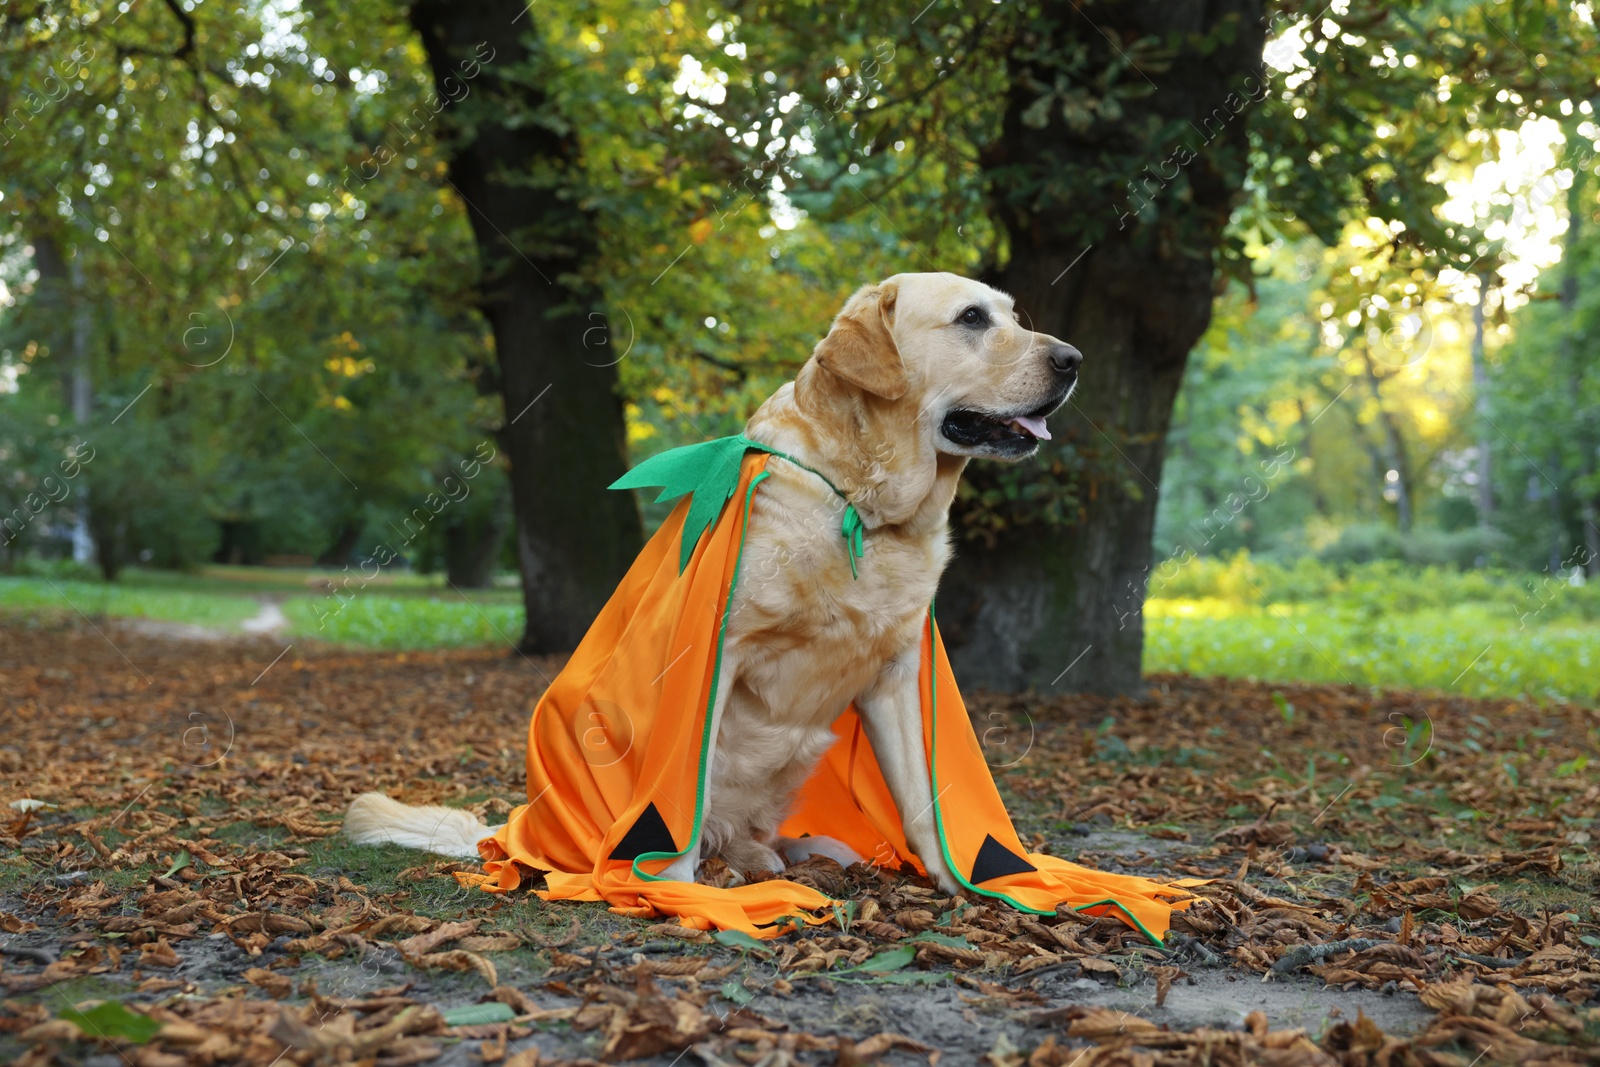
x=618, y=748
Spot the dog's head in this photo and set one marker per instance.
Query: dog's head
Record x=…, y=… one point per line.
x=949, y=352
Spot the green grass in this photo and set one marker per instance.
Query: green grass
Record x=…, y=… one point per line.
x=1478, y=633
x=377, y=620
x=402, y=611
x=185, y=603
x=1482, y=633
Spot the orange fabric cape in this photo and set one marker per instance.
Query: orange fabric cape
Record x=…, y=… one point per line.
x=617, y=765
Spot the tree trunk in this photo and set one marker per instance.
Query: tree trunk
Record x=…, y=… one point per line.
x=1588, y=492
x=344, y=543
x=1589, y=513
x=239, y=542
x=1558, y=540
x=1380, y=467
x=1128, y=274
x=1318, y=502
x=564, y=433
x=63, y=293
x=81, y=398
x=1395, y=444
x=108, y=531
x=1480, y=389
x=472, y=549
x=81, y=393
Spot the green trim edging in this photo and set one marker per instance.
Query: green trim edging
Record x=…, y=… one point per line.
x=711, y=701
x=933, y=710
x=850, y=525
x=938, y=808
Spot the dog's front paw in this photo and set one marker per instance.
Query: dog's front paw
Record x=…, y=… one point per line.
x=939, y=873
x=750, y=856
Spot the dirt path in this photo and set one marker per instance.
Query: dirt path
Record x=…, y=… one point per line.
x=269, y=621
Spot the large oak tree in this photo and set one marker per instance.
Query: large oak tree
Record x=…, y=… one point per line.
x=1114, y=205
x=514, y=160
x=1099, y=161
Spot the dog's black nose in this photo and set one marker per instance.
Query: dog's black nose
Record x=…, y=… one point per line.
x=1064, y=358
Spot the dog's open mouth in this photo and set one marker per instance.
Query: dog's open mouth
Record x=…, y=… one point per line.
x=997, y=433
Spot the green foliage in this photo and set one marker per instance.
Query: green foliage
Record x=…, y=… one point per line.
x=1367, y=542
x=1378, y=98
x=249, y=333
x=1484, y=633
x=1544, y=399
x=1374, y=589
x=113, y=1022
x=41, y=477
x=1234, y=474
x=141, y=492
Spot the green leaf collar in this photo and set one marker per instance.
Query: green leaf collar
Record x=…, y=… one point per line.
x=710, y=472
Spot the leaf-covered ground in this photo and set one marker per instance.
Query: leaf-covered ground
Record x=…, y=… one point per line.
x=1395, y=879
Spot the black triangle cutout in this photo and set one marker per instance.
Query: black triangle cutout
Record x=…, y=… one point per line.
x=996, y=861
x=649, y=834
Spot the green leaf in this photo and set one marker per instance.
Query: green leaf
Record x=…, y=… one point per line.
x=112, y=1020
x=1037, y=114
x=477, y=1014
x=789, y=923
x=709, y=470
x=891, y=960
x=179, y=862
x=740, y=940
x=737, y=993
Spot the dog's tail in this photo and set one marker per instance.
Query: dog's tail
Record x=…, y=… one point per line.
x=375, y=819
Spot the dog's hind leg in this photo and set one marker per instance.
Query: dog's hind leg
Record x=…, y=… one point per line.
x=800, y=849
x=891, y=713
x=684, y=868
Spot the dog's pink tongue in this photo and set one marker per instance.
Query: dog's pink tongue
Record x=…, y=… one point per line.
x=1032, y=424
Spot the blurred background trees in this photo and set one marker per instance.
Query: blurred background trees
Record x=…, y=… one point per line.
x=289, y=271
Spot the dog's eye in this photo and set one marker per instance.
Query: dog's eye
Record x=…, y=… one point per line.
x=973, y=316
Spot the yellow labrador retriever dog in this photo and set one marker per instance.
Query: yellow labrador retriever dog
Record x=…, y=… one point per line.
x=917, y=375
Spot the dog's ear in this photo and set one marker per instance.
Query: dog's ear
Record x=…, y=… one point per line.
x=860, y=349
